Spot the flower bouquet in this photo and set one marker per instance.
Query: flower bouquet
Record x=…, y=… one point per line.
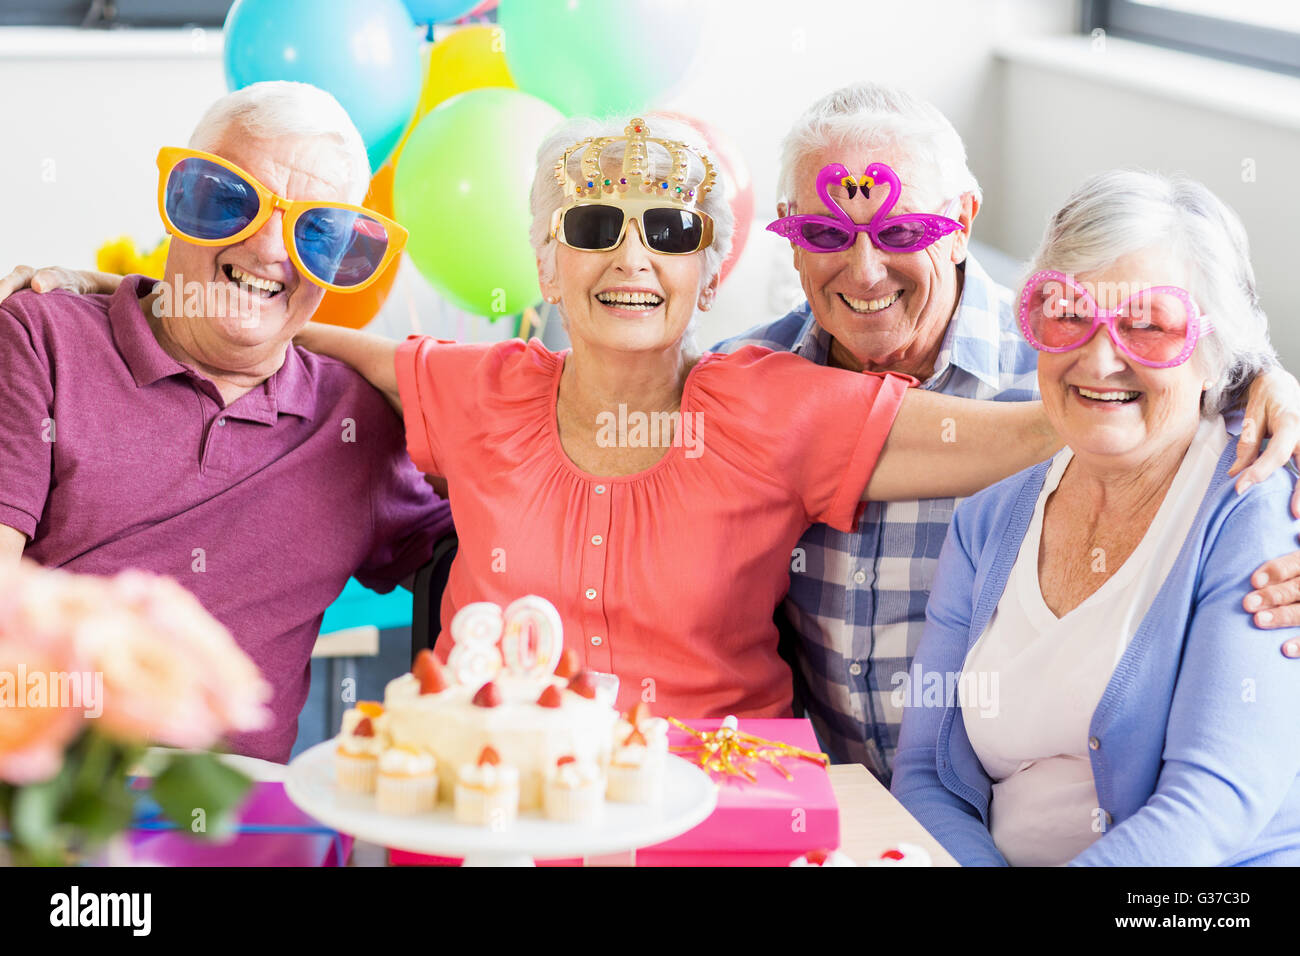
x=93, y=671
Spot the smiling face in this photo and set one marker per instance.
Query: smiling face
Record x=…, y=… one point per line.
x=1108, y=408
x=256, y=298
x=628, y=299
x=885, y=310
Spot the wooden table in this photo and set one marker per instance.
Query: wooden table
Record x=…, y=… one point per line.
x=872, y=821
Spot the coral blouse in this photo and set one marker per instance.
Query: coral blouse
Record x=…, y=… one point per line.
x=667, y=577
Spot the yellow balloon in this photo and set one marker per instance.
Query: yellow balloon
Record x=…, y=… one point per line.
x=472, y=58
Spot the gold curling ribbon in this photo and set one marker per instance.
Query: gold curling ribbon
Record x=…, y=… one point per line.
x=731, y=752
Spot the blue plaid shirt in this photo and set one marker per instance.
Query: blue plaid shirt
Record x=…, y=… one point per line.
x=858, y=600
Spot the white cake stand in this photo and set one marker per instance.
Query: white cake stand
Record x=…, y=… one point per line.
x=689, y=797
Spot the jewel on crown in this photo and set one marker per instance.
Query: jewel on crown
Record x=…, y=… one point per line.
x=637, y=173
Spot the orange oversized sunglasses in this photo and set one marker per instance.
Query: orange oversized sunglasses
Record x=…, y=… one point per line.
x=210, y=201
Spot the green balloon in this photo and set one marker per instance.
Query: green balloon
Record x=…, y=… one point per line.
x=461, y=188
x=600, y=57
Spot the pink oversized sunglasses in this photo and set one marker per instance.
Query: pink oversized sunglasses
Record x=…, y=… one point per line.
x=908, y=232
x=1156, y=326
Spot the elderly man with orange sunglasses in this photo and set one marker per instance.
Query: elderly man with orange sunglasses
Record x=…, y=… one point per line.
x=172, y=426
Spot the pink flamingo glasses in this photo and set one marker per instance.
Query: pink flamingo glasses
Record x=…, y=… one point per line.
x=1158, y=326
x=909, y=232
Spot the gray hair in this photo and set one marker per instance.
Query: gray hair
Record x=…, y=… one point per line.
x=1124, y=211
x=872, y=115
x=276, y=108
x=547, y=195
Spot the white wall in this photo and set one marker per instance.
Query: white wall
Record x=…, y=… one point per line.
x=87, y=122
x=1071, y=108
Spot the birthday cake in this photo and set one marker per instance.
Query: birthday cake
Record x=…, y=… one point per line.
x=511, y=724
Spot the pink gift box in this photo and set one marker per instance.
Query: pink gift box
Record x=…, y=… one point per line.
x=272, y=832
x=765, y=823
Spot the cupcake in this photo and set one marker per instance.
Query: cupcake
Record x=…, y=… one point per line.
x=360, y=742
x=574, y=792
x=904, y=854
x=636, y=768
x=823, y=858
x=408, y=781
x=487, y=793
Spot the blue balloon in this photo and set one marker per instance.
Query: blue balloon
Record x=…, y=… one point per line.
x=366, y=54
x=438, y=11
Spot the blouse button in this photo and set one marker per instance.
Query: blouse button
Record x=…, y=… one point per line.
x=600, y=489
x=855, y=668
x=597, y=539
x=595, y=640
x=1094, y=743
x=860, y=577
x=591, y=594
x=221, y=422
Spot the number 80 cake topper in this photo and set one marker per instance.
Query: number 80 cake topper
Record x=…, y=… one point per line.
x=526, y=640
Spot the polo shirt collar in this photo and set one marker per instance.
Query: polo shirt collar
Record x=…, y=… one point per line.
x=134, y=338
x=288, y=391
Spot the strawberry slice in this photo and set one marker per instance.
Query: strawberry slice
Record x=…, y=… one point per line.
x=431, y=675
x=364, y=728
x=567, y=758
x=489, y=695
x=817, y=856
x=635, y=737
x=892, y=855
x=569, y=664
x=551, y=697
x=583, y=685
x=489, y=756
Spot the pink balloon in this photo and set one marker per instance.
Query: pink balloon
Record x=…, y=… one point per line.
x=740, y=186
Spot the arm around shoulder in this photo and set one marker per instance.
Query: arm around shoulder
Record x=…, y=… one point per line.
x=12, y=543
x=941, y=446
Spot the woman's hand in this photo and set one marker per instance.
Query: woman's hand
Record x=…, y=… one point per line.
x=49, y=278
x=1272, y=412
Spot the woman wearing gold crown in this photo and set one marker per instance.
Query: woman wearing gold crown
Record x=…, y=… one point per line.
x=652, y=493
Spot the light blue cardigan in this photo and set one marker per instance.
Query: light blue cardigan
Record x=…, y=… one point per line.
x=1197, y=735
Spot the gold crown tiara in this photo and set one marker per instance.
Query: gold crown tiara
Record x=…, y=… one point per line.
x=595, y=184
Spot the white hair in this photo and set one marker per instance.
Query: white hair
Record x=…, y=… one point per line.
x=869, y=115
x=1125, y=211
x=547, y=195
x=276, y=108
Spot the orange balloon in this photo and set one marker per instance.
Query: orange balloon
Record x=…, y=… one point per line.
x=352, y=310
x=471, y=58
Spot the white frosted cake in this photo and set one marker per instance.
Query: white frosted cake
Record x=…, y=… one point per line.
x=506, y=686
x=531, y=737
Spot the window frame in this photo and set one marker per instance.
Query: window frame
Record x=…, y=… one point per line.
x=108, y=14
x=1257, y=46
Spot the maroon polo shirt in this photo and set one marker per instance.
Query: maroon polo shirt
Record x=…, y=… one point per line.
x=113, y=455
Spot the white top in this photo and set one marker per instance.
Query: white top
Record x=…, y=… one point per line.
x=1031, y=682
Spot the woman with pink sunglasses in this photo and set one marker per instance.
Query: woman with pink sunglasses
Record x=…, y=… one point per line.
x=1106, y=707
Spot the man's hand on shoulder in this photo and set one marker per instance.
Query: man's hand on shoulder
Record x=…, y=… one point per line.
x=49, y=278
